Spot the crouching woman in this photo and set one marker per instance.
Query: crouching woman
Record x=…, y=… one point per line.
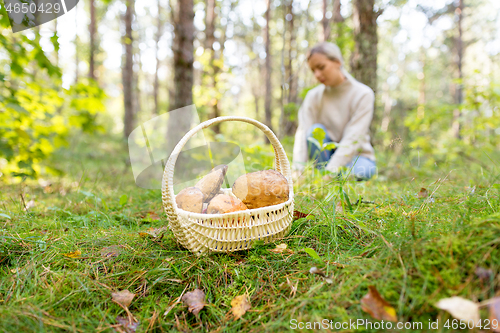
x=343, y=108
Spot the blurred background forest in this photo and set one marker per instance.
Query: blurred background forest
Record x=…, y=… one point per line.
x=109, y=65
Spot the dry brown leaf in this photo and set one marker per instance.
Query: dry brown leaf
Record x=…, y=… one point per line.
x=316, y=270
x=126, y=325
x=195, y=300
x=111, y=251
x=423, y=193
x=299, y=215
x=495, y=312
x=153, y=216
x=281, y=248
x=377, y=307
x=75, y=254
x=460, y=308
x=151, y=233
x=240, y=305
x=123, y=297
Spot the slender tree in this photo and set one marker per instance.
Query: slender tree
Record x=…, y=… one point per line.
x=214, y=65
x=325, y=23
x=77, y=48
x=92, y=33
x=159, y=32
x=128, y=71
x=460, y=56
x=268, y=95
x=364, y=57
x=183, y=49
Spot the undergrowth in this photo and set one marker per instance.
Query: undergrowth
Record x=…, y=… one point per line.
x=414, y=249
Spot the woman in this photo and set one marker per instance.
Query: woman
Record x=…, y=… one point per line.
x=343, y=108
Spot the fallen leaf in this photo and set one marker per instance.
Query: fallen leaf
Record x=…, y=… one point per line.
x=111, y=251
x=423, y=193
x=316, y=270
x=483, y=274
x=460, y=308
x=153, y=216
x=299, y=215
x=75, y=254
x=195, y=300
x=312, y=253
x=377, y=307
x=128, y=325
x=123, y=297
x=240, y=306
x=281, y=248
x=495, y=313
x=151, y=232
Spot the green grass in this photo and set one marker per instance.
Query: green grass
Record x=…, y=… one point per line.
x=414, y=250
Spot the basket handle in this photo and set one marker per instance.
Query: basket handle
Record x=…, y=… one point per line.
x=281, y=162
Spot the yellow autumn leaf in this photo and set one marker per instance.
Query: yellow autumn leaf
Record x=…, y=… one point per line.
x=240, y=305
x=75, y=254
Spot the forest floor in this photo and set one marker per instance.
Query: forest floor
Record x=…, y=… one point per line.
x=67, y=244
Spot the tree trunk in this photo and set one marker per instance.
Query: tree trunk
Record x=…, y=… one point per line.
x=156, y=85
x=291, y=125
x=459, y=87
x=171, y=89
x=364, y=57
x=77, y=48
x=209, y=45
x=179, y=124
x=128, y=72
x=92, y=32
x=338, y=21
x=325, y=22
x=268, y=95
x=137, y=78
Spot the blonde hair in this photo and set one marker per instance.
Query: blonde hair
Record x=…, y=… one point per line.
x=330, y=50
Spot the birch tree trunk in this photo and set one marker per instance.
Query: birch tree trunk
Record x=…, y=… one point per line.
x=268, y=95
x=128, y=72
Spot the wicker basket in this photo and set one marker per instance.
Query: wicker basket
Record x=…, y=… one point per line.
x=201, y=233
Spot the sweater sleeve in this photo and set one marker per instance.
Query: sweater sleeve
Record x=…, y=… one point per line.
x=355, y=131
x=305, y=121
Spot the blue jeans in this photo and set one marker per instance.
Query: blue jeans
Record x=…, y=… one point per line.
x=361, y=167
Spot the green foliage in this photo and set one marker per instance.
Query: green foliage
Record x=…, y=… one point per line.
x=431, y=125
x=36, y=114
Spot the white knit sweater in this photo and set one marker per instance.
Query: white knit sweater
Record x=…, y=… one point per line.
x=346, y=111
